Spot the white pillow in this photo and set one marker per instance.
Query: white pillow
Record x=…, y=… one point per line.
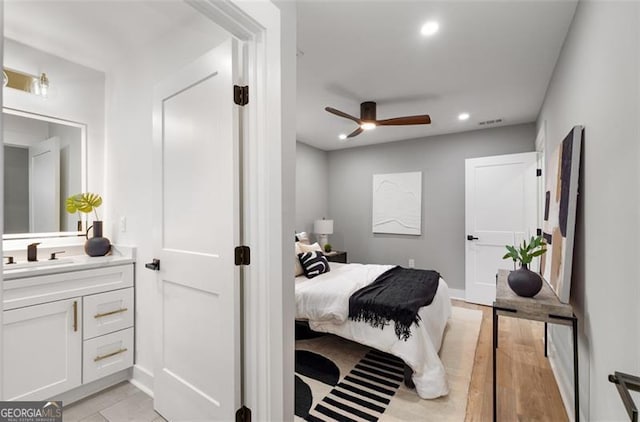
x=310, y=248
x=303, y=237
x=298, y=267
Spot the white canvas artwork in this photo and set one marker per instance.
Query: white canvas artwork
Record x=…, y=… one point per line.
x=397, y=203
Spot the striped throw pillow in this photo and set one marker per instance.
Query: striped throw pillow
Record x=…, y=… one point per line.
x=313, y=263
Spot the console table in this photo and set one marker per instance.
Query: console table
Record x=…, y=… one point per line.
x=545, y=307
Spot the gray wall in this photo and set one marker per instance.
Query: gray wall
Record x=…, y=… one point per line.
x=16, y=190
x=441, y=160
x=312, y=187
x=596, y=84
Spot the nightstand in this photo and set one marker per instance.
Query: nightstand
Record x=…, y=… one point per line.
x=336, y=256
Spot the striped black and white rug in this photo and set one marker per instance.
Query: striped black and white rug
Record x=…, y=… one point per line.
x=339, y=380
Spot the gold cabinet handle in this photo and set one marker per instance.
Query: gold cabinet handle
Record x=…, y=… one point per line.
x=75, y=315
x=110, y=313
x=108, y=355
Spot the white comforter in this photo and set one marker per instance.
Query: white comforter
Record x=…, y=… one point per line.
x=324, y=301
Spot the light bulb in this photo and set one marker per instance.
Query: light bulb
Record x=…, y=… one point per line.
x=44, y=85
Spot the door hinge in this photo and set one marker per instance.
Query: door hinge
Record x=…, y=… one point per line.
x=243, y=414
x=243, y=255
x=538, y=172
x=241, y=95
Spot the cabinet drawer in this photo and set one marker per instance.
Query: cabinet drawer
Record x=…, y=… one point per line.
x=107, y=312
x=107, y=354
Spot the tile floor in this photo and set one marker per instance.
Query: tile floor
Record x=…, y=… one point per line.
x=120, y=403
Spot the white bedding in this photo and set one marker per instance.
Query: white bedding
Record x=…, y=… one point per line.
x=324, y=301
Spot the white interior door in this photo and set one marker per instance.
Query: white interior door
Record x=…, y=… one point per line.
x=44, y=186
x=500, y=209
x=196, y=221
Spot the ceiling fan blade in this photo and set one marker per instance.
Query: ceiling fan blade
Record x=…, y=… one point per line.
x=342, y=114
x=355, y=132
x=408, y=120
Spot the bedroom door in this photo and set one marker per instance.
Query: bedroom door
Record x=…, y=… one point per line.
x=197, y=226
x=500, y=209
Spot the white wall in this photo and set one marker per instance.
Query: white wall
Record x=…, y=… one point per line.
x=23, y=131
x=596, y=83
x=128, y=158
x=312, y=187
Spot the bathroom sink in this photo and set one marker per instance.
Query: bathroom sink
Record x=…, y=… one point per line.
x=37, y=264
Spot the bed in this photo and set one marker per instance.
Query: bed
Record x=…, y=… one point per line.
x=323, y=301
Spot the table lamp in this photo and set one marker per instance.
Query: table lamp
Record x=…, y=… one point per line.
x=323, y=228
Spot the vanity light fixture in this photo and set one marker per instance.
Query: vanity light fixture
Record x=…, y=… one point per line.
x=38, y=85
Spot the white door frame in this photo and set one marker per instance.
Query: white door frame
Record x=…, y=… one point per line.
x=268, y=391
x=1, y=190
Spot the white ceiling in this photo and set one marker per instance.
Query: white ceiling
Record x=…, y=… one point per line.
x=99, y=33
x=492, y=59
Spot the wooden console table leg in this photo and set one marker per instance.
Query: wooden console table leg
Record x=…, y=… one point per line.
x=545, y=340
x=495, y=346
x=576, y=392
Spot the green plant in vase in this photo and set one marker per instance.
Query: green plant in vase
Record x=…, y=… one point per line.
x=88, y=202
x=328, y=247
x=524, y=281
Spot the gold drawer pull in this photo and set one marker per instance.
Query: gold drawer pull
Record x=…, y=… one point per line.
x=99, y=358
x=110, y=313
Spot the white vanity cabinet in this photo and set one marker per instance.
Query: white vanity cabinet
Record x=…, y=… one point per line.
x=66, y=330
x=42, y=350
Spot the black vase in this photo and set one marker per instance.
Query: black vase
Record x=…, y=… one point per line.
x=96, y=245
x=525, y=282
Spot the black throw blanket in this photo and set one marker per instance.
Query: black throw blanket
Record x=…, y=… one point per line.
x=396, y=295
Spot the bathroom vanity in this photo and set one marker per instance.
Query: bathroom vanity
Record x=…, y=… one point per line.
x=68, y=327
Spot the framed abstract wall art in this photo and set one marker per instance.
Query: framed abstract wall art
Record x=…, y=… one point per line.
x=397, y=203
x=560, y=204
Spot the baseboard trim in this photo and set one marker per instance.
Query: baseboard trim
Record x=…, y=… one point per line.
x=458, y=294
x=142, y=379
x=564, y=380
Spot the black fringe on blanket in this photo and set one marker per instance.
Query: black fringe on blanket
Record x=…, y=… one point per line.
x=396, y=295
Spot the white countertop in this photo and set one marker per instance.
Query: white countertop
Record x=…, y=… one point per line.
x=120, y=256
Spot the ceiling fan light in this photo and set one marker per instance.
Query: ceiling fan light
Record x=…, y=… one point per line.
x=368, y=125
x=463, y=116
x=342, y=136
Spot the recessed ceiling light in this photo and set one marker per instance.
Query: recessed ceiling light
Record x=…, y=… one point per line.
x=429, y=28
x=463, y=116
x=368, y=126
x=342, y=136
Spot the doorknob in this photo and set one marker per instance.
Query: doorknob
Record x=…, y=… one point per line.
x=153, y=265
x=471, y=237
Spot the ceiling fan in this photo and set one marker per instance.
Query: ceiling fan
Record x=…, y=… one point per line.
x=368, y=119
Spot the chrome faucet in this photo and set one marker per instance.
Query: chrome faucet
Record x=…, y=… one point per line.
x=32, y=252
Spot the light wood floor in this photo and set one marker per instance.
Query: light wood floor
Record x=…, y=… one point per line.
x=527, y=389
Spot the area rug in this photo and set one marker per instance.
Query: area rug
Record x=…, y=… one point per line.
x=339, y=380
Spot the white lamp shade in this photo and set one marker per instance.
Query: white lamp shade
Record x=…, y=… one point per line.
x=323, y=226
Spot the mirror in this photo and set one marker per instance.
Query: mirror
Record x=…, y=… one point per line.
x=45, y=162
